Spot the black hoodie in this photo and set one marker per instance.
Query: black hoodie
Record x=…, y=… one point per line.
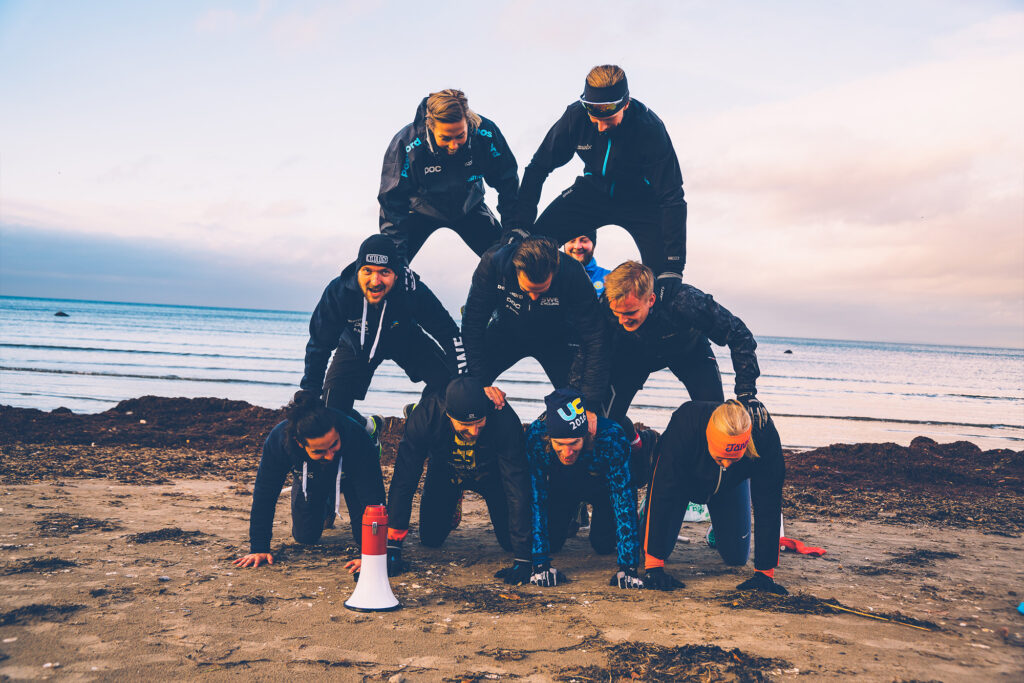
x=567, y=313
x=633, y=162
x=499, y=451
x=682, y=316
x=684, y=471
x=345, y=318
x=418, y=177
x=357, y=459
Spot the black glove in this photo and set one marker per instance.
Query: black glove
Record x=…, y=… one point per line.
x=664, y=280
x=514, y=236
x=396, y=565
x=657, y=579
x=758, y=413
x=516, y=575
x=626, y=577
x=547, y=576
x=762, y=582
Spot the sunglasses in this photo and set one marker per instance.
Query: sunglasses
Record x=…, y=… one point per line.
x=603, y=110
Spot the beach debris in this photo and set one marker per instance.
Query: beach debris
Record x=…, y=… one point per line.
x=914, y=558
x=803, y=603
x=37, y=564
x=168, y=534
x=63, y=524
x=39, y=611
x=649, y=662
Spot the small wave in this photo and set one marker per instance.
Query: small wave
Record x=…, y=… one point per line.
x=175, y=378
x=50, y=347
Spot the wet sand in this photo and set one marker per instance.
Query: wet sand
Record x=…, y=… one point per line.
x=118, y=534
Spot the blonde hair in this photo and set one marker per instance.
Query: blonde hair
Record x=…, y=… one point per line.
x=732, y=418
x=605, y=76
x=450, y=106
x=629, y=278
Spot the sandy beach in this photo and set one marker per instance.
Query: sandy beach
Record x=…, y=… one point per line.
x=119, y=529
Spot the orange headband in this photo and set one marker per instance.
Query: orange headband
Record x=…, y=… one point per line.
x=722, y=445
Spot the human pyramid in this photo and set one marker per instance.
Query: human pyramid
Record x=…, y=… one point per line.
x=597, y=334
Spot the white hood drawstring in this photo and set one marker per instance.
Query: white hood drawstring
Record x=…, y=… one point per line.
x=337, y=488
x=337, y=484
x=380, y=326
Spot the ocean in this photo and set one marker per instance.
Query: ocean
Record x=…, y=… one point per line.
x=819, y=391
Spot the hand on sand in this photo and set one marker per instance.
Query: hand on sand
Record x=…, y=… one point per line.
x=496, y=395
x=353, y=567
x=253, y=560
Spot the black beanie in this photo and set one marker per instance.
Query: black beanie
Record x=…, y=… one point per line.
x=566, y=417
x=592, y=235
x=465, y=399
x=378, y=250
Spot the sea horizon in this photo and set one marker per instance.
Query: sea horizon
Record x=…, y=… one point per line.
x=457, y=318
x=820, y=390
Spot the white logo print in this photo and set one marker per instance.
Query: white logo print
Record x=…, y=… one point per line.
x=549, y=301
x=583, y=148
x=377, y=258
x=432, y=169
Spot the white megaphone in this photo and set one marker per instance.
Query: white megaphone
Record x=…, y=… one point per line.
x=373, y=591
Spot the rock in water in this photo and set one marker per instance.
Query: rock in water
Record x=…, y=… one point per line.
x=788, y=351
x=61, y=314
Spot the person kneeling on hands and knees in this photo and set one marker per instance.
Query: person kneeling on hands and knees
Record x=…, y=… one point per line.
x=567, y=466
x=528, y=299
x=329, y=456
x=467, y=444
x=712, y=453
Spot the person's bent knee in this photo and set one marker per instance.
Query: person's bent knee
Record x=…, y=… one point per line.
x=734, y=558
x=306, y=536
x=430, y=540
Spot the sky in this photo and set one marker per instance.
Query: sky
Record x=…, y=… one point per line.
x=853, y=170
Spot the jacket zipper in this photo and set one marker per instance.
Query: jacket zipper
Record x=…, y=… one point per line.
x=721, y=471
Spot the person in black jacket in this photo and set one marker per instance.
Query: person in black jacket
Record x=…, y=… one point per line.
x=630, y=178
x=433, y=177
x=672, y=328
x=711, y=453
x=377, y=309
x=328, y=455
x=542, y=305
x=468, y=444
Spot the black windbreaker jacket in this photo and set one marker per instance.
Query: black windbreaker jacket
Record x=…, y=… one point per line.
x=343, y=311
x=632, y=162
x=567, y=313
x=281, y=454
x=684, y=471
x=417, y=177
x=499, y=451
x=681, y=317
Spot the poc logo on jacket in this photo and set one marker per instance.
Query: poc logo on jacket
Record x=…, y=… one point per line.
x=431, y=169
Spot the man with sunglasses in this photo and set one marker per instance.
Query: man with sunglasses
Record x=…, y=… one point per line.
x=630, y=178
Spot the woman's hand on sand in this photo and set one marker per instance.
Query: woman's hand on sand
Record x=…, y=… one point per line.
x=253, y=560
